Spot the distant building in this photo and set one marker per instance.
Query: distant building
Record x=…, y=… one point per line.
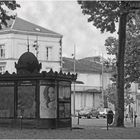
x=135, y=93
x=89, y=94
x=97, y=59
x=89, y=83
x=44, y=43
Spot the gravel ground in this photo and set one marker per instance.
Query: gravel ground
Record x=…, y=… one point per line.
x=86, y=133
x=88, y=129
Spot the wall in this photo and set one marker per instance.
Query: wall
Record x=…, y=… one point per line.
x=106, y=80
x=91, y=81
x=85, y=100
x=16, y=45
x=94, y=80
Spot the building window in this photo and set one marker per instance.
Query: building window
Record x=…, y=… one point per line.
x=2, y=51
x=48, y=53
x=2, y=69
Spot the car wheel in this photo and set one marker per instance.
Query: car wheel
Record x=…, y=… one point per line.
x=88, y=117
x=97, y=117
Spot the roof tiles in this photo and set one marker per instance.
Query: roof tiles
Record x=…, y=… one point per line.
x=82, y=65
x=21, y=25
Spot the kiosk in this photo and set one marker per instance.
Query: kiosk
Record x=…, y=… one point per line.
x=33, y=99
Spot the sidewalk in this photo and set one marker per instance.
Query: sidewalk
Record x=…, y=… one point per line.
x=96, y=131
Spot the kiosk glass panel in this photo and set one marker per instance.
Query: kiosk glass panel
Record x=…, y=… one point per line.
x=6, y=101
x=26, y=101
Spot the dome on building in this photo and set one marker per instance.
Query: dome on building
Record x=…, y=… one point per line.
x=27, y=63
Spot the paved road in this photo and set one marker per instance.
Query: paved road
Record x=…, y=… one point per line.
x=88, y=129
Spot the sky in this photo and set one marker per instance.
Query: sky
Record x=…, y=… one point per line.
x=65, y=17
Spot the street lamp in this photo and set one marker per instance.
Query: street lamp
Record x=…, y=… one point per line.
x=74, y=55
x=102, y=80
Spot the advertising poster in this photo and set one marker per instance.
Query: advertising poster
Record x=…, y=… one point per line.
x=7, y=102
x=48, y=101
x=26, y=101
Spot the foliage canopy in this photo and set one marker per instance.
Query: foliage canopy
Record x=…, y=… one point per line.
x=5, y=14
x=132, y=53
x=105, y=14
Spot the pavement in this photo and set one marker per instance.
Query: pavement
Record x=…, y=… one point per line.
x=87, y=129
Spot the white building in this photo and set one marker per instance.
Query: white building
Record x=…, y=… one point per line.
x=14, y=41
x=135, y=93
x=88, y=88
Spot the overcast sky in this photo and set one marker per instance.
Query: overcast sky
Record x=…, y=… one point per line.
x=66, y=18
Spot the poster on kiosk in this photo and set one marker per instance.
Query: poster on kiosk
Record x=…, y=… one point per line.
x=48, y=101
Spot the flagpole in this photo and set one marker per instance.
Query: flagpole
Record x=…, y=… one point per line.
x=37, y=46
x=28, y=44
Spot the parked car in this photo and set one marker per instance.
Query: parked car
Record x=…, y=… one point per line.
x=95, y=113
x=88, y=113
x=103, y=112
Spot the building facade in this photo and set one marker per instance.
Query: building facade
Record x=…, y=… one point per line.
x=135, y=94
x=91, y=79
x=21, y=35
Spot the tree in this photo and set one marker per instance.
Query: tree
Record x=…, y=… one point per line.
x=104, y=15
x=131, y=59
x=5, y=11
x=110, y=94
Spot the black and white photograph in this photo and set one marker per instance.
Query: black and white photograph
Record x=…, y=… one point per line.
x=69, y=69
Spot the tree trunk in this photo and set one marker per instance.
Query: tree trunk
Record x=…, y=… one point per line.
x=119, y=116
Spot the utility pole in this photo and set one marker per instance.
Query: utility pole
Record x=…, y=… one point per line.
x=102, y=79
x=74, y=81
x=136, y=87
x=61, y=58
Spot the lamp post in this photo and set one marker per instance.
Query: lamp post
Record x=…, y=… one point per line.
x=102, y=80
x=74, y=81
x=61, y=59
